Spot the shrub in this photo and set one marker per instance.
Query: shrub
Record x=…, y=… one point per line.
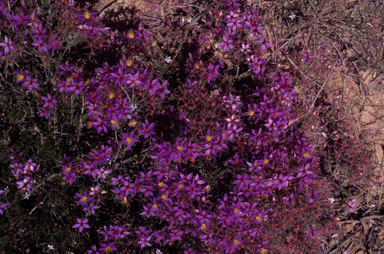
x=197, y=148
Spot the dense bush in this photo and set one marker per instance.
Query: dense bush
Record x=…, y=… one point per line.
x=113, y=144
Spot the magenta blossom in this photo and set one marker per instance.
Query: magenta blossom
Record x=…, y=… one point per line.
x=108, y=247
x=81, y=224
x=147, y=130
x=129, y=139
x=49, y=102
x=8, y=45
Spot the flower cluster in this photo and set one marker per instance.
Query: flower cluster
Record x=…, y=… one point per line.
x=203, y=159
x=23, y=172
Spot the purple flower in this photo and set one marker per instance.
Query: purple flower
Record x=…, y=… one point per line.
x=311, y=233
x=175, y=235
x=245, y=48
x=30, y=82
x=233, y=101
x=86, y=16
x=102, y=173
x=81, y=224
x=147, y=130
x=303, y=171
x=235, y=23
x=189, y=251
x=64, y=86
x=152, y=86
x=41, y=45
x=282, y=181
x=143, y=35
x=232, y=14
x=101, y=125
x=144, y=241
x=44, y=111
x=307, y=58
x=77, y=87
x=128, y=139
x=83, y=198
x=134, y=80
x=226, y=44
x=351, y=205
x=53, y=43
x=108, y=247
x=8, y=45
x=234, y=132
x=161, y=89
x=91, y=208
x=120, y=77
x=264, y=42
x=2, y=206
x=23, y=19
x=312, y=196
x=49, y=101
x=93, y=251
x=304, y=182
x=14, y=20
x=66, y=69
x=39, y=33
x=213, y=70
x=91, y=169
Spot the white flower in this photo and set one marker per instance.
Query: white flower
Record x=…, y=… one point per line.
x=158, y=251
x=292, y=16
x=168, y=59
x=189, y=20
x=26, y=195
x=182, y=20
x=335, y=235
x=331, y=200
x=50, y=247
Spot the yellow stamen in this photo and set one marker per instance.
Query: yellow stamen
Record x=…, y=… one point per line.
x=297, y=89
x=130, y=34
x=129, y=62
x=251, y=113
x=258, y=218
x=209, y=138
x=306, y=155
x=203, y=227
x=69, y=79
x=266, y=161
x=236, y=211
x=125, y=201
x=154, y=207
x=87, y=15
x=129, y=140
x=68, y=169
x=181, y=186
x=164, y=196
x=179, y=148
x=20, y=77
x=111, y=95
x=161, y=184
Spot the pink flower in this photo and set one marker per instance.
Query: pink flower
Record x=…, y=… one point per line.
x=81, y=224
